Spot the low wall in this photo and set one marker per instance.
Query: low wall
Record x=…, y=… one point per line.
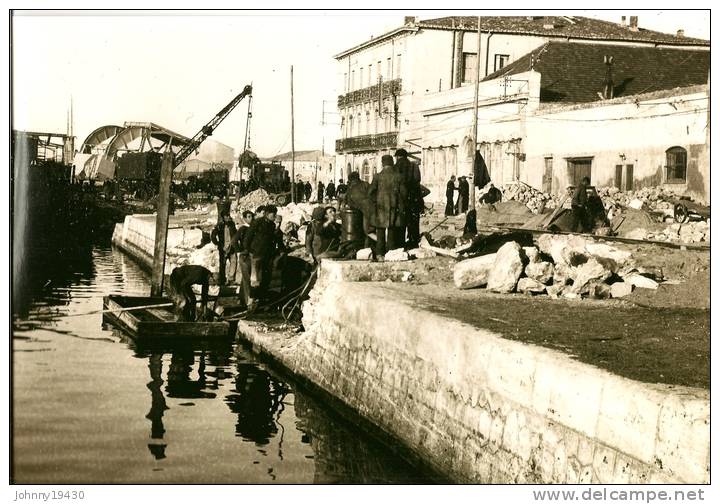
x=136, y=237
x=480, y=408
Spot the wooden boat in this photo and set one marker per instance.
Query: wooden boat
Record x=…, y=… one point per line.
x=159, y=322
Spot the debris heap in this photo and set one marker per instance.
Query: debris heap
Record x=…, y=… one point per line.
x=535, y=200
x=560, y=266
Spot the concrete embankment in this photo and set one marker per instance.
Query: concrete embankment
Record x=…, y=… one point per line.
x=136, y=236
x=478, y=407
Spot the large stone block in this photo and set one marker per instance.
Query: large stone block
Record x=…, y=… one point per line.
x=541, y=271
x=591, y=271
x=507, y=268
x=473, y=272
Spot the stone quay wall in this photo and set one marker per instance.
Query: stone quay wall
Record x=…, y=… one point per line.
x=136, y=237
x=483, y=409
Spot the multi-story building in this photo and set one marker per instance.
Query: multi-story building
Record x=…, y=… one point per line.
x=385, y=80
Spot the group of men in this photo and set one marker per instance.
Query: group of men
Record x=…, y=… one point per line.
x=304, y=192
x=249, y=254
x=391, y=204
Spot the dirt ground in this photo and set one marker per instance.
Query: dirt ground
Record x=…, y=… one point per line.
x=657, y=336
x=654, y=345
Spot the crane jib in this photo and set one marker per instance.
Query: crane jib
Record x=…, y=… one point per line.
x=208, y=129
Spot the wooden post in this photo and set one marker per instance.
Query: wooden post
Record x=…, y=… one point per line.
x=161, y=225
x=475, y=120
x=292, y=137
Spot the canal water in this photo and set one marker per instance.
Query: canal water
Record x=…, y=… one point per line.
x=89, y=406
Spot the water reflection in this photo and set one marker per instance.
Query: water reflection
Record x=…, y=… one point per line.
x=258, y=402
x=123, y=412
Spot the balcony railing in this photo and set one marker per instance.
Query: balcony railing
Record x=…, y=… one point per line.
x=366, y=142
x=370, y=93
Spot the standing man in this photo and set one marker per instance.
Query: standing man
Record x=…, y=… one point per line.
x=321, y=192
x=260, y=243
x=330, y=190
x=341, y=191
x=308, y=191
x=236, y=247
x=415, y=204
x=579, y=206
x=222, y=234
x=358, y=198
x=464, y=190
x=449, y=195
x=390, y=194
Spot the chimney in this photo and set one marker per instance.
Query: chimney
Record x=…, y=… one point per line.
x=623, y=21
x=410, y=20
x=681, y=33
x=608, y=88
x=633, y=23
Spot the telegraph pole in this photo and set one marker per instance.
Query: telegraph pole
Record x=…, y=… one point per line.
x=475, y=119
x=292, y=138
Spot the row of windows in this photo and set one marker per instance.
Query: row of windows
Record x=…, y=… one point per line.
x=369, y=76
x=365, y=122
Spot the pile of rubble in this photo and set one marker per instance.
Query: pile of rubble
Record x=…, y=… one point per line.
x=691, y=232
x=254, y=199
x=654, y=199
x=535, y=200
x=560, y=265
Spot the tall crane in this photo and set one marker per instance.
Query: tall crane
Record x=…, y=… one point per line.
x=208, y=129
x=166, y=171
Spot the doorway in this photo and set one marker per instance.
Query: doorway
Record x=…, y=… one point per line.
x=577, y=169
x=624, y=177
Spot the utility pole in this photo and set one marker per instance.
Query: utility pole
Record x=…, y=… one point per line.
x=161, y=224
x=292, y=138
x=475, y=119
x=323, y=128
x=246, y=143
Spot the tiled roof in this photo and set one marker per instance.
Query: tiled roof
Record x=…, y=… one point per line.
x=575, y=72
x=562, y=26
x=305, y=155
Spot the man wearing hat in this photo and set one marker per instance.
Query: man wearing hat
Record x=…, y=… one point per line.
x=415, y=205
x=390, y=194
x=222, y=234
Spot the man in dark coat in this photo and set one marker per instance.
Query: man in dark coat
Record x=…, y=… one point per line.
x=449, y=195
x=579, y=207
x=493, y=195
x=222, y=234
x=321, y=192
x=415, y=205
x=260, y=242
x=237, y=247
x=182, y=279
x=330, y=190
x=308, y=190
x=464, y=190
x=358, y=198
x=340, y=192
x=390, y=194
x=326, y=238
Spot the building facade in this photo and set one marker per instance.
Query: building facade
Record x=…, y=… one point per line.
x=651, y=139
x=310, y=165
x=387, y=83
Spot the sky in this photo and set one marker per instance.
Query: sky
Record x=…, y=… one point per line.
x=178, y=70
